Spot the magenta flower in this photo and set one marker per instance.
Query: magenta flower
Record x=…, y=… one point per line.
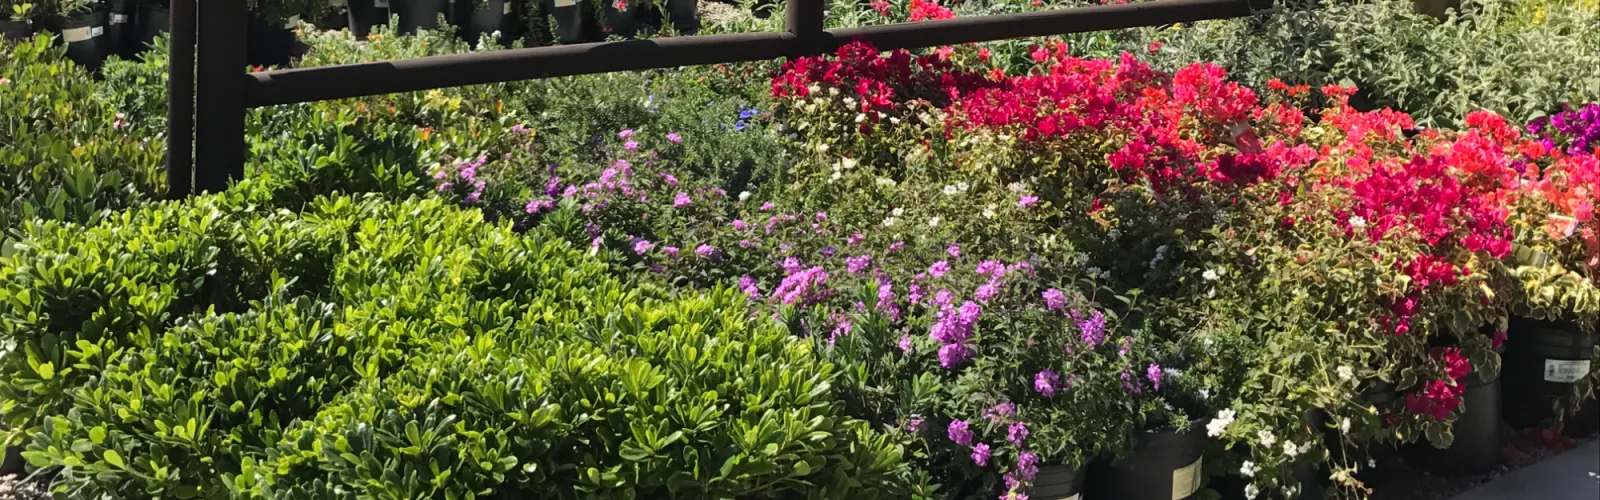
x=855, y=239
x=986, y=291
x=671, y=181
x=822, y=216
x=938, y=269
x=980, y=454
x=1017, y=433
x=954, y=250
x=999, y=412
x=959, y=433
x=681, y=200
x=858, y=263
x=739, y=225
x=896, y=245
x=671, y=251
x=1154, y=374
x=705, y=250
x=1054, y=299
x=1046, y=383
x=915, y=425
x=1027, y=200
x=631, y=145
x=626, y=133
x=905, y=345
x=767, y=206
x=674, y=138
x=1093, y=328
x=747, y=284
x=953, y=354
x=641, y=246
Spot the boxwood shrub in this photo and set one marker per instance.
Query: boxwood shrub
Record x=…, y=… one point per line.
x=366, y=348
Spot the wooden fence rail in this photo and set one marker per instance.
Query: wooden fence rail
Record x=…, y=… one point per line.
x=226, y=91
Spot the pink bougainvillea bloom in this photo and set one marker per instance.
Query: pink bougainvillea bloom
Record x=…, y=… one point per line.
x=1027, y=200
x=674, y=138
x=631, y=145
x=625, y=133
x=670, y=251
x=938, y=269
x=643, y=246
x=954, y=250
x=739, y=225
x=681, y=200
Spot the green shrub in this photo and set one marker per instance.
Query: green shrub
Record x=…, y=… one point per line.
x=371, y=349
x=64, y=155
x=1498, y=56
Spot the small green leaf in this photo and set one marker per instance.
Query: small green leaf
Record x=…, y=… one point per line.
x=113, y=458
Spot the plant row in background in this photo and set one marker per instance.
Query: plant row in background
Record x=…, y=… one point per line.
x=1000, y=285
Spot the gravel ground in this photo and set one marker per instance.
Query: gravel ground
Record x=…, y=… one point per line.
x=713, y=12
x=17, y=488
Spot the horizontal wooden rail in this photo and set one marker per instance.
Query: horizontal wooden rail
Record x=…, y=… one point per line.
x=355, y=80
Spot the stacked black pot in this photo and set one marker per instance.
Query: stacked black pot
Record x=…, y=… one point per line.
x=1544, y=358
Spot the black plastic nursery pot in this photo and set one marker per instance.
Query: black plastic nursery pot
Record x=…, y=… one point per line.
x=1543, y=359
x=473, y=22
x=121, y=27
x=15, y=30
x=1058, y=482
x=684, y=15
x=418, y=14
x=362, y=15
x=575, y=22
x=1479, y=439
x=152, y=21
x=1163, y=466
x=620, y=22
x=85, y=36
x=270, y=43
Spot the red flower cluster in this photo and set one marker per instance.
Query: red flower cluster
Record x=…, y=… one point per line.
x=878, y=82
x=923, y=10
x=1438, y=398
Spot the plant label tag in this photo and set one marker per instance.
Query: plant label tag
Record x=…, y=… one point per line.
x=97, y=31
x=382, y=4
x=565, y=3
x=1565, y=371
x=293, y=21
x=1186, y=480
x=1075, y=496
x=119, y=19
x=75, y=35
x=506, y=9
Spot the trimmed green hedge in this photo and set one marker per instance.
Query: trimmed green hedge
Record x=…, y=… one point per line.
x=420, y=352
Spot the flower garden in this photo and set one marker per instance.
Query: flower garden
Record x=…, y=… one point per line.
x=1136, y=264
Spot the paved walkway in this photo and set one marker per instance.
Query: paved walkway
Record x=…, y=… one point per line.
x=1574, y=475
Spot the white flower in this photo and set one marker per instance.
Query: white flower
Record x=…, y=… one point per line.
x=1344, y=426
x=1305, y=447
x=888, y=222
x=1290, y=450
x=1094, y=272
x=861, y=117
x=1266, y=437
x=744, y=195
x=1114, y=234
x=898, y=212
x=1358, y=222
x=885, y=182
x=1346, y=373
x=1080, y=259
x=963, y=186
x=833, y=90
x=847, y=163
x=1248, y=469
x=1250, y=491
x=988, y=212
x=814, y=88
x=1210, y=275
x=1251, y=252
x=1373, y=463
x=836, y=175
x=1017, y=187
x=950, y=190
x=934, y=222
x=1220, y=424
x=1205, y=393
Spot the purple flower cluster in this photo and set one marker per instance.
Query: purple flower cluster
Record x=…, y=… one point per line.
x=859, y=263
x=1577, y=131
x=1093, y=328
x=1046, y=382
x=805, y=287
x=952, y=328
x=1054, y=299
x=747, y=284
x=466, y=173
x=959, y=433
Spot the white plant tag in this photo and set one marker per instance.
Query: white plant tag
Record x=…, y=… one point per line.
x=1565, y=371
x=382, y=4
x=506, y=9
x=293, y=22
x=565, y=3
x=75, y=35
x=119, y=18
x=1186, y=481
x=96, y=31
